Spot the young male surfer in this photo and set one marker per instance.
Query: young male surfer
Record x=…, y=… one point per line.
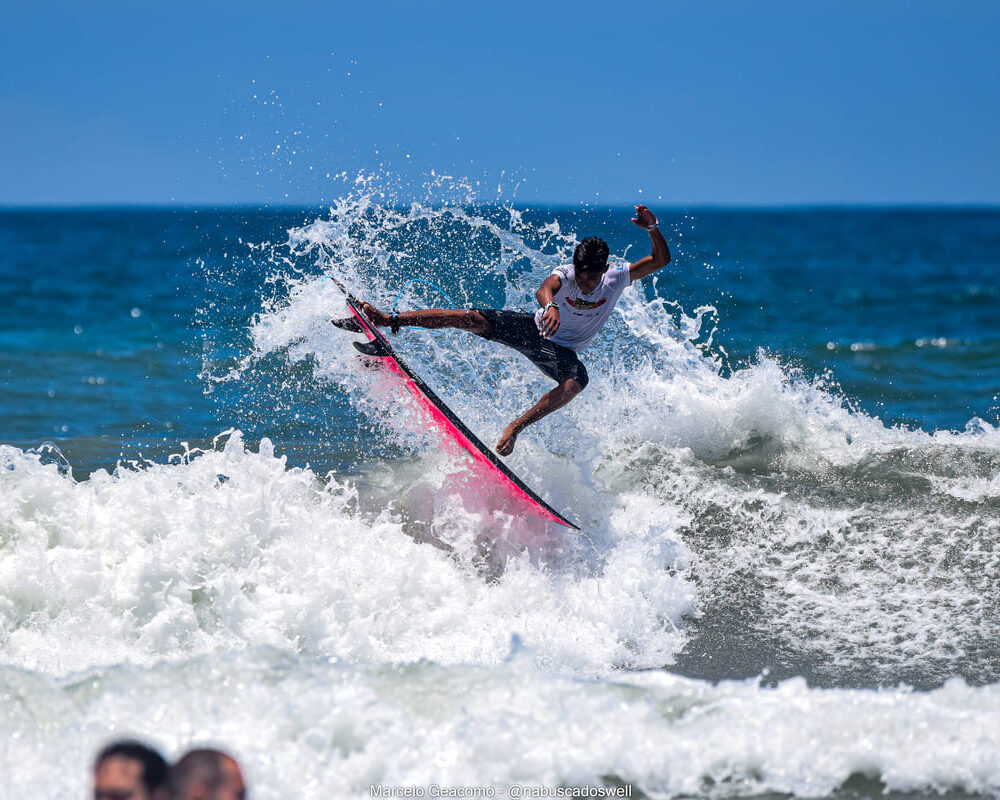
x=576, y=300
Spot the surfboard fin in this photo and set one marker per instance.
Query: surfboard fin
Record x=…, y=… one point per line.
x=371, y=348
x=348, y=324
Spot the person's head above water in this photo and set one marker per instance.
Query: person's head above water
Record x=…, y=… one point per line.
x=207, y=774
x=130, y=770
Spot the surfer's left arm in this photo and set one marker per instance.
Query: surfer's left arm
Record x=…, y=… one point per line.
x=660, y=257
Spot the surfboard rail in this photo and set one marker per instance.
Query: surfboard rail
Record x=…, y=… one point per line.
x=379, y=347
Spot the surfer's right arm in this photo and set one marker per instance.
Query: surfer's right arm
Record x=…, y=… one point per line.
x=546, y=297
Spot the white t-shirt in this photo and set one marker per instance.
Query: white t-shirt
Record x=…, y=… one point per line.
x=581, y=315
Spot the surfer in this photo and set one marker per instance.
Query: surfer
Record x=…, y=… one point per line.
x=575, y=301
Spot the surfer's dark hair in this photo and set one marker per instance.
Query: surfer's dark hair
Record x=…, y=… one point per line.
x=154, y=766
x=591, y=254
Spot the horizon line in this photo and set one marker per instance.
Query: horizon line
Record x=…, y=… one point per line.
x=563, y=206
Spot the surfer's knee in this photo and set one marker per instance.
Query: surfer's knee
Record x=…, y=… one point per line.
x=477, y=323
x=575, y=379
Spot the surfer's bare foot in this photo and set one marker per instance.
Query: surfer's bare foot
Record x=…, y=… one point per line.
x=506, y=444
x=376, y=316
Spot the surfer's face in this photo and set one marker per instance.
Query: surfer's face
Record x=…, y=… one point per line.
x=590, y=279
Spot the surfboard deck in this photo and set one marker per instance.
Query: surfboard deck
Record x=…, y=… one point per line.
x=378, y=347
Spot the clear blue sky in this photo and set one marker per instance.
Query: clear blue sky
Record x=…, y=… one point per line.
x=700, y=102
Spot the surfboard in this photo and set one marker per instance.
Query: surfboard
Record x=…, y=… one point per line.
x=382, y=352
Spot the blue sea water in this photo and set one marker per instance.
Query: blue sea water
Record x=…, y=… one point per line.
x=787, y=469
x=108, y=311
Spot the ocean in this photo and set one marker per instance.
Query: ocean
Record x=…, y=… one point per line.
x=218, y=527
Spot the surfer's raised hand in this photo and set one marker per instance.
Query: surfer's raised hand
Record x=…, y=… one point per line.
x=660, y=256
x=644, y=218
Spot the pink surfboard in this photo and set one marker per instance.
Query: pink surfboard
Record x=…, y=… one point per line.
x=378, y=347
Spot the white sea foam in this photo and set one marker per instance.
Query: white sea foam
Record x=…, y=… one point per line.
x=831, y=522
x=311, y=624
x=232, y=549
x=974, y=490
x=317, y=729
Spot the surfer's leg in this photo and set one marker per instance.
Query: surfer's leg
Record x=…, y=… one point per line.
x=471, y=321
x=551, y=401
x=565, y=368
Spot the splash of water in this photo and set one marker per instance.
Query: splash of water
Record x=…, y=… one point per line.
x=793, y=497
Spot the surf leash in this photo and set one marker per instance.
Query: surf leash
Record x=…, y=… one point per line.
x=395, y=302
x=421, y=280
x=342, y=288
x=394, y=317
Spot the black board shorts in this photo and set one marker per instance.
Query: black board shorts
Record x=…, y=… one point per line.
x=517, y=330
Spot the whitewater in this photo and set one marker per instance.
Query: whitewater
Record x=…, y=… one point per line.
x=774, y=590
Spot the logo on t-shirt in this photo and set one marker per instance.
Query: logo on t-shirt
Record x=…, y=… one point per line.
x=583, y=305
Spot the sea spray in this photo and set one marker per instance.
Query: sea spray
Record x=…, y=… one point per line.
x=336, y=608
x=792, y=496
